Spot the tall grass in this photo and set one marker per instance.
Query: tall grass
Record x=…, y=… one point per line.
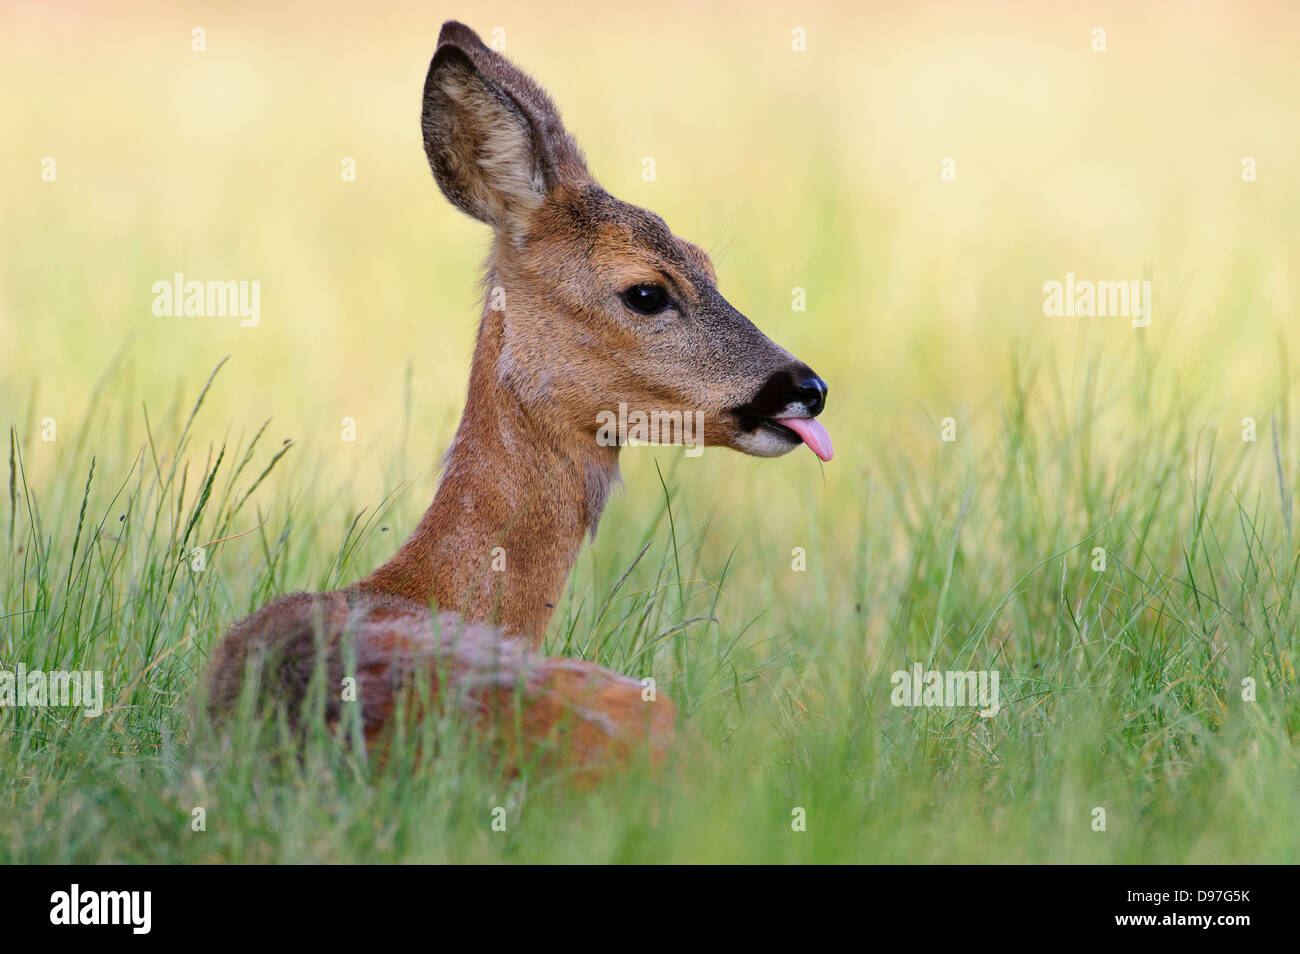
x=1121, y=687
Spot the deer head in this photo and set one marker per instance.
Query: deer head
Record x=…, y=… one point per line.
x=598, y=302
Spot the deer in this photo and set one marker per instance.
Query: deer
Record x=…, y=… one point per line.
x=598, y=303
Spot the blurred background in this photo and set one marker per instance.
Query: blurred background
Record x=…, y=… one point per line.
x=819, y=168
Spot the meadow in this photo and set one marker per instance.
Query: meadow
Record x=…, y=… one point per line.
x=1101, y=512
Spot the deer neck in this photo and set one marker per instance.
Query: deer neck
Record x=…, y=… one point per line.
x=516, y=498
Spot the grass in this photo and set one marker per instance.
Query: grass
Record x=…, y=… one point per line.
x=1122, y=686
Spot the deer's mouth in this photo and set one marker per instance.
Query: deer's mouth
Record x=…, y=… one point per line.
x=806, y=429
x=774, y=436
x=782, y=414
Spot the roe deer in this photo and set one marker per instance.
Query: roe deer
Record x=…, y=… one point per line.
x=592, y=302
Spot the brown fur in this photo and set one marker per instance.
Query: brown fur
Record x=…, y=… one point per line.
x=524, y=471
x=583, y=715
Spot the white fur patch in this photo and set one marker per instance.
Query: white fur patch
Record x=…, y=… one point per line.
x=508, y=181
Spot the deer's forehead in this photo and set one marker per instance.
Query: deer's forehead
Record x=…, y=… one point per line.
x=610, y=228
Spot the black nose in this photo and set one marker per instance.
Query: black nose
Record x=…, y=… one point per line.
x=812, y=392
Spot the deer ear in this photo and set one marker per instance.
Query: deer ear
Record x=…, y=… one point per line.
x=492, y=135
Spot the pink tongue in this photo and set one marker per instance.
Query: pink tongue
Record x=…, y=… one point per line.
x=811, y=433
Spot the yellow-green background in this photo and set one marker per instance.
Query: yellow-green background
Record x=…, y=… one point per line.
x=818, y=169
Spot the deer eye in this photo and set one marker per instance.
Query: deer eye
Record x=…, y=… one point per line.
x=647, y=299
